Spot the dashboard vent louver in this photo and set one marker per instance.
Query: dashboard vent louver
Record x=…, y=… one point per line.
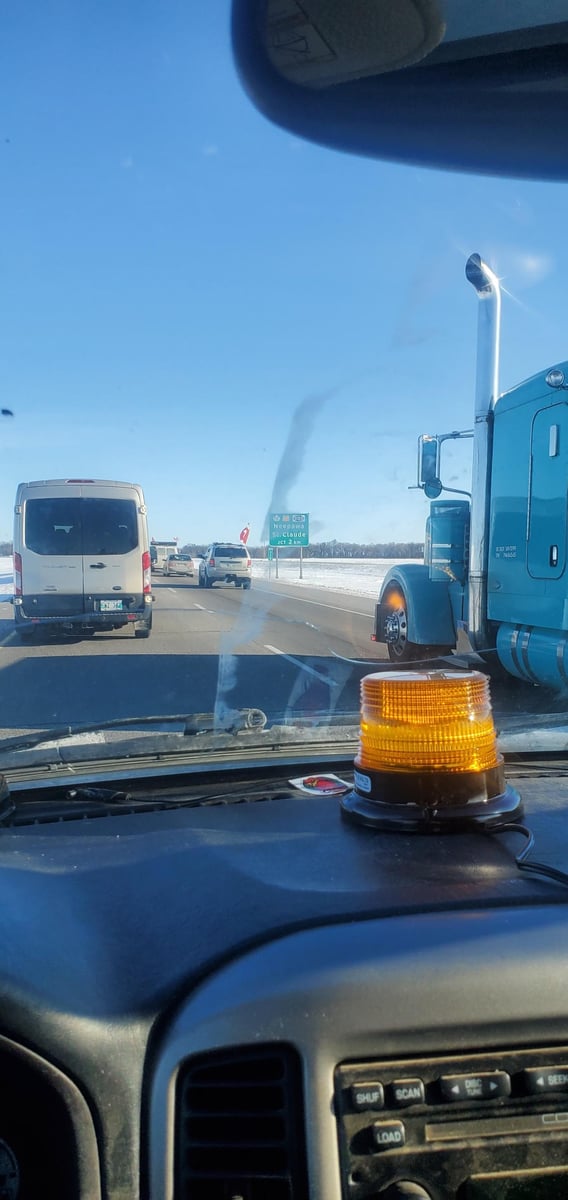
x=240, y=1126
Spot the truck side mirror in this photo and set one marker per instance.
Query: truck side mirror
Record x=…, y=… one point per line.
x=428, y=460
x=433, y=489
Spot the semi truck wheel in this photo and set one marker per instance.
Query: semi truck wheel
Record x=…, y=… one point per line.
x=399, y=647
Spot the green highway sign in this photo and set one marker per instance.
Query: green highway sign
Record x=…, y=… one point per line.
x=289, y=529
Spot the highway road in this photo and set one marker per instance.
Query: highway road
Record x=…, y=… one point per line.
x=277, y=647
x=289, y=650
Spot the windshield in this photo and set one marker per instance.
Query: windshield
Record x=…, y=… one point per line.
x=254, y=331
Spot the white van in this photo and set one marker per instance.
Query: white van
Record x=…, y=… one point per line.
x=81, y=557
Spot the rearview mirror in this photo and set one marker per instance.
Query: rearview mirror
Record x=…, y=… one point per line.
x=434, y=83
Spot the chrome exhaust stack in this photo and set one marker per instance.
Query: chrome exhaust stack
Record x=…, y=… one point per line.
x=488, y=290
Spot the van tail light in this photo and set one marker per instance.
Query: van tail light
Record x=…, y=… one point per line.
x=146, y=572
x=248, y=562
x=211, y=562
x=17, y=575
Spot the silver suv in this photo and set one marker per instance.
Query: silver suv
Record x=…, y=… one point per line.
x=226, y=562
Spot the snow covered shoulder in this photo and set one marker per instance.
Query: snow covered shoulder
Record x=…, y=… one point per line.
x=356, y=576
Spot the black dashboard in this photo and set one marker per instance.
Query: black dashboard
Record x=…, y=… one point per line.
x=259, y=1000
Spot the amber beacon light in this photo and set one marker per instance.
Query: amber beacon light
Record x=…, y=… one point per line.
x=428, y=757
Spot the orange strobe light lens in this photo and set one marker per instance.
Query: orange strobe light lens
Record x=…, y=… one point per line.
x=428, y=756
x=426, y=721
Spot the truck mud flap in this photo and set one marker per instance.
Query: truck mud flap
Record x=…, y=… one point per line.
x=382, y=612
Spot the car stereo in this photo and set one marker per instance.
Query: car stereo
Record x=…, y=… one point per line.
x=490, y=1126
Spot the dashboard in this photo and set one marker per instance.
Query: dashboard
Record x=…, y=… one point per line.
x=256, y=999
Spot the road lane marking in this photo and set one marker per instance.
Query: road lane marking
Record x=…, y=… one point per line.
x=201, y=606
x=319, y=603
x=303, y=666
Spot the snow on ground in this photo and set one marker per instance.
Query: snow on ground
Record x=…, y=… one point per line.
x=358, y=576
x=6, y=579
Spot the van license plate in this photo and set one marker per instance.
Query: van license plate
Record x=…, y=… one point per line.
x=111, y=605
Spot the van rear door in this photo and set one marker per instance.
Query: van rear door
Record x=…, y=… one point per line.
x=52, y=560
x=112, y=528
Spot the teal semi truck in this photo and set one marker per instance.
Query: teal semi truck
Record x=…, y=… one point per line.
x=495, y=564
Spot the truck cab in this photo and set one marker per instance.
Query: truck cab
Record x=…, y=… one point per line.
x=494, y=561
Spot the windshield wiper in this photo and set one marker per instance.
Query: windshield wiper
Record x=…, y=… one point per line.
x=192, y=724
x=198, y=734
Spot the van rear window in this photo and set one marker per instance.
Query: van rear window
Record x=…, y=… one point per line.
x=62, y=526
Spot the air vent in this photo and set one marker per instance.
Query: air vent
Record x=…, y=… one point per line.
x=240, y=1127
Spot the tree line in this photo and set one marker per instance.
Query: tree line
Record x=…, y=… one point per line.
x=332, y=549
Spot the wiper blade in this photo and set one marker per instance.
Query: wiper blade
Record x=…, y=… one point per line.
x=192, y=724
x=197, y=732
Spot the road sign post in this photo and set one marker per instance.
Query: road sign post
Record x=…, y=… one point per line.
x=290, y=529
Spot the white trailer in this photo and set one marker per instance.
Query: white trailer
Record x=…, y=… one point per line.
x=159, y=552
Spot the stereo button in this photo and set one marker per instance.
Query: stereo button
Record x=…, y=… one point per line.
x=367, y=1095
x=388, y=1135
x=487, y=1085
x=407, y=1091
x=546, y=1079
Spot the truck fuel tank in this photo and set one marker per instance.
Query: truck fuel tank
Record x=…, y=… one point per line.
x=535, y=655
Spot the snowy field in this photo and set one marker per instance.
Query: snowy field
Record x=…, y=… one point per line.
x=358, y=576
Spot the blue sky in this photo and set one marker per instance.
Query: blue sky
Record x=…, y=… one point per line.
x=178, y=276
